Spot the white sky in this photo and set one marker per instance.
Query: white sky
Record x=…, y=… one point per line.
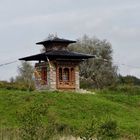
x=25, y=22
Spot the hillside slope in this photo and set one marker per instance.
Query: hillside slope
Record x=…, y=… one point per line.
x=73, y=110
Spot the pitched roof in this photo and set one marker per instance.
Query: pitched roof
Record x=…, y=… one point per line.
x=55, y=40
x=58, y=54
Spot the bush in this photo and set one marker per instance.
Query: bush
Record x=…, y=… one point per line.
x=126, y=89
x=91, y=130
x=31, y=123
x=32, y=128
x=106, y=130
x=15, y=86
x=87, y=84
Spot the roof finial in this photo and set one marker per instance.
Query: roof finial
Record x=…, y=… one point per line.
x=51, y=36
x=55, y=35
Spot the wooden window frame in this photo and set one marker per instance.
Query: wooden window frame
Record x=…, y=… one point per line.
x=61, y=82
x=44, y=76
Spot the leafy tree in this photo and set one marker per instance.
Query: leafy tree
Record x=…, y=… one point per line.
x=100, y=70
x=25, y=75
x=12, y=80
x=129, y=80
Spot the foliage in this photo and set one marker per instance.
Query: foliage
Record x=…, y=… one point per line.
x=126, y=89
x=13, y=86
x=25, y=75
x=129, y=80
x=91, y=130
x=101, y=130
x=100, y=70
x=70, y=113
x=87, y=84
x=31, y=124
x=108, y=130
x=32, y=127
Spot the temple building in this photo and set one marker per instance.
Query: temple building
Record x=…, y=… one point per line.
x=57, y=68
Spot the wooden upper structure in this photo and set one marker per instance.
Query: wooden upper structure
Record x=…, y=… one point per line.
x=56, y=48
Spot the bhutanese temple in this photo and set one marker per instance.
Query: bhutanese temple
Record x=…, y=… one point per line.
x=57, y=68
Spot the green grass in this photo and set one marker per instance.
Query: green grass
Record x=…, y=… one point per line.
x=73, y=110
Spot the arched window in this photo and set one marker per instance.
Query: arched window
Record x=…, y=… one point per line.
x=72, y=74
x=60, y=74
x=66, y=77
x=44, y=75
x=66, y=74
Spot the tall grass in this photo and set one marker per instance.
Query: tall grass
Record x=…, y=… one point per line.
x=70, y=113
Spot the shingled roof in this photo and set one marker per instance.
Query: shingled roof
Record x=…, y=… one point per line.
x=58, y=54
x=55, y=40
x=56, y=49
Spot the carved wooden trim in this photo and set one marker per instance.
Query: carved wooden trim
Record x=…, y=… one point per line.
x=65, y=83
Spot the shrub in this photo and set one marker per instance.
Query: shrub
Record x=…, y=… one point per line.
x=15, y=86
x=108, y=130
x=86, y=84
x=126, y=89
x=31, y=123
x=91, y=130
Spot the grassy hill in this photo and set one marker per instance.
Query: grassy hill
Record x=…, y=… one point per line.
x=73, y=111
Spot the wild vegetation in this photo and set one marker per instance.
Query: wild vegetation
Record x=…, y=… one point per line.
x=66, y=113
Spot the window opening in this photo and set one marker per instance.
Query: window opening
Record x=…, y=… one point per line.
x=66, y=74
x=60, y=74
x=44, y=75
x=72, y=74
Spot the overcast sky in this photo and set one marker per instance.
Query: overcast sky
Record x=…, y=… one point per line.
x=25, y=22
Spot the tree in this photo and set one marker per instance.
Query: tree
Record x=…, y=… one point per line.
x=128, y=80
x=25, y=75
x=100, y=70
x=12, y=80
